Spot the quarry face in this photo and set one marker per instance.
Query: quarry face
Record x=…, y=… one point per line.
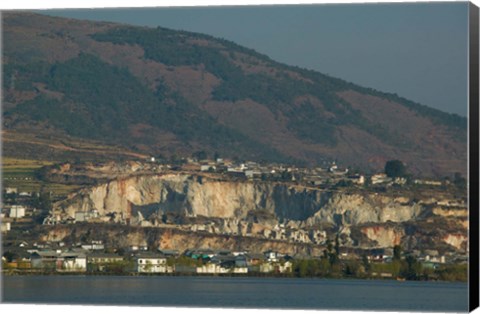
x=253, y=210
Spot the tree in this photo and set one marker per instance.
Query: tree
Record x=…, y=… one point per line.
x=459, y=181
x=337, y=245
x=366, y=263
x=411, y=268
x=200, y=155
x=10, y=256
x=395, y=169
x=397, y=252
x=148, y=266
x=352, y=268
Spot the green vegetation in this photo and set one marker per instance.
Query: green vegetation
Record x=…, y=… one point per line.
x=89, y=98
x=454, y=122
x=278, y=93
x=408, y=268
x=170, y=48
x=113, y=268
x=21, y=173
x=455, y=272
x=395, y=169
x=101, y=101
x=459, y=181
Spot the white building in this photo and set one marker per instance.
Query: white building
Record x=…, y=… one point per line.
x=271, y=256
x=285, y=267
x=5, y=227
x=85, y=215
x=380, y=178
x=72, y=261
x=11, y=190
x=152, y=263
x=428, y=182
x=207, y=167
x=17, y=211
x=59, y=261
x=94, y=246
x=213, y=268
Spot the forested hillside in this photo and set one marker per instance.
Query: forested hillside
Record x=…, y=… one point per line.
x=161, y=92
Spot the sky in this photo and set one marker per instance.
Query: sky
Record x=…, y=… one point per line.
x=416, y=50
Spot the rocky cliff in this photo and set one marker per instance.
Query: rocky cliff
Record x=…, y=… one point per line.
x=191, y=195
x=270, y=211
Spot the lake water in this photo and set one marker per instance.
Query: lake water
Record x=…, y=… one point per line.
x=286, y=293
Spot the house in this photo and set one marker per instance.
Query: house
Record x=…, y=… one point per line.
x=211, y=268
x=98, y=258
x=336, y=171
x=276, y=267
x=222, y=252
x=17, y=211
x=200, y=253
x=59, y=261
x=271, y=256
x=254, y=259
x=238, y=253
x=44, y=259
x=101, y=261
x=94, y=246
x=72, y=261
x=428, y=182
x=23, y=244
x=400, y=181
x=81, y=216
x=208, y=167
x=135, y=248
x=5, y=227
x=357, y=179
x=376, y=255
x=9, y=190
x=19, y=263
x=169, y=253
x=227, y=266
x=152, y=263
x=236, y=173
x=380, y=178
x=253, y=173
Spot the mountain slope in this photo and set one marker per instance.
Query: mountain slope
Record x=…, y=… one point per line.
x=159, y=91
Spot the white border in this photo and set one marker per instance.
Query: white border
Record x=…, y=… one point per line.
x=50, y=4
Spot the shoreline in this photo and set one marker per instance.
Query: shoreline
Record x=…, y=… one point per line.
x=224, y=275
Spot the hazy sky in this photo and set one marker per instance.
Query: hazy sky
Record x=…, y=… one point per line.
x=418, y=51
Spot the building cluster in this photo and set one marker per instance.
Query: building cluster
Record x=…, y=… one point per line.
x=17, y=211
x=326, y=176
x=137, y=259
x=93, y=257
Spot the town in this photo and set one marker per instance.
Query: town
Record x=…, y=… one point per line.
x=23, y=253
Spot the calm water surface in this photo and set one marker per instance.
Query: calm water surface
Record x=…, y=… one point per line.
x=236, y=292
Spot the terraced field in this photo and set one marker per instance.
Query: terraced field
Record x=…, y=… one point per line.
x=20, y=173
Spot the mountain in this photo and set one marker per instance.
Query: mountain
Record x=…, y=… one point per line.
x=97, y=90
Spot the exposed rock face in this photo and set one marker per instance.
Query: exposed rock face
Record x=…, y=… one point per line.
x=268, y=210
x=384, y=236
x=194, y=196
x=168, y=238
x=456, y=240
x=343, y=209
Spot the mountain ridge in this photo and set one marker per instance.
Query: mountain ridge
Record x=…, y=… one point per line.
x=79, y=79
